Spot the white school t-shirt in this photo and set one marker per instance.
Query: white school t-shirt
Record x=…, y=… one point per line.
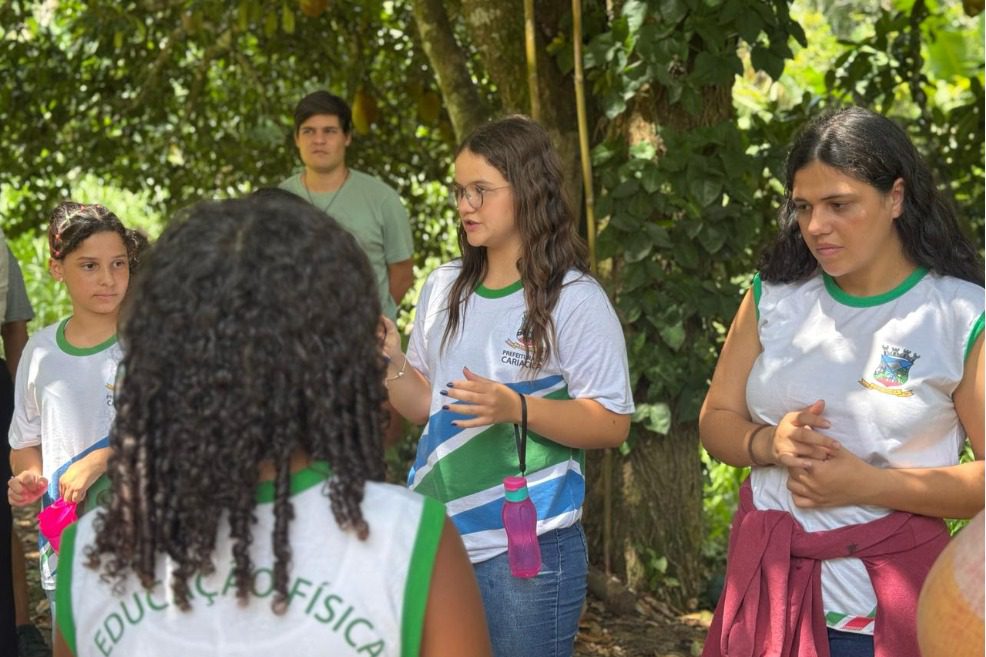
x=63, y=402
x=886, y=367
x=347, y=597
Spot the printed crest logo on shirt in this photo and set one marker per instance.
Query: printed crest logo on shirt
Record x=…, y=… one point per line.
x=893, y=371
x=518, y=348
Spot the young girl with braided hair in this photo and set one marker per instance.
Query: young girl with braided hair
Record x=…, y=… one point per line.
x=63, y=403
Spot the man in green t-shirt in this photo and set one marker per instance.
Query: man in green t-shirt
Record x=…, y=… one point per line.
x=365, y=206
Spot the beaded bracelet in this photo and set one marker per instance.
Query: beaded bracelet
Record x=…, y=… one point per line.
x=751, y=436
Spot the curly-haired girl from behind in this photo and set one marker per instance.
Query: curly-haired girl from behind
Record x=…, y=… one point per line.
x=247, y=514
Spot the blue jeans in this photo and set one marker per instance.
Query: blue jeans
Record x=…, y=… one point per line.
x=850, y=644
x=537, y=617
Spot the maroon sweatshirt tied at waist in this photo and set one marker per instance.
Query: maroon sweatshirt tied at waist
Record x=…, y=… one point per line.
x=771, y=605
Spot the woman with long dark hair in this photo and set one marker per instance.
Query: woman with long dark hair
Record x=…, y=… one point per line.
x=516, y=332
x=849, y=381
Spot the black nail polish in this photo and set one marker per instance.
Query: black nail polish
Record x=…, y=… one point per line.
x=445, y=408
x=443, y=392
x=449, y=385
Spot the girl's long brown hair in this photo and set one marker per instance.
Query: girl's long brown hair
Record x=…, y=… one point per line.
x=521, y=151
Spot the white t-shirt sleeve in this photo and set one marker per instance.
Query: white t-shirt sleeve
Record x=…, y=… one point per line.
x=592, y=351
x=417, y=348
x=25, y=426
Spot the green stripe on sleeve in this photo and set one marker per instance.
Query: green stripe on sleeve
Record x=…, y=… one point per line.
x=63, y=587
x=419, y=576
x=757, y=293
x=977, y=330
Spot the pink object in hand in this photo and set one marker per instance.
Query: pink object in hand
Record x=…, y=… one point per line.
x=54, y=518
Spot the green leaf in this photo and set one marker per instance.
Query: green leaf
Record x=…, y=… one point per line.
x=643, y=150
x=712, y=238
x=270, y=24
x=287, y=19
x=658, y=235
x=636, y=250
x=764, y=60
x=672, y=11
x=243, y=15
x=749, y=24
x=614, y=105
x=654, y=417
x=626, y=188
x=691, y=100
x=603, y=153
x=650, y=178
x=640, y=206
x=713, y=69
x=705, y=190
x=635, y=12
x=599, y=51
x=673, y=335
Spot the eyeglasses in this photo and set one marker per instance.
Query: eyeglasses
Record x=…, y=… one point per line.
x=473, y=194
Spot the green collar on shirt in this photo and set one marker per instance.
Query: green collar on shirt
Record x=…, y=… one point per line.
x=489, y=293
x=847, y=299
x=301, y=481
x=72, y=350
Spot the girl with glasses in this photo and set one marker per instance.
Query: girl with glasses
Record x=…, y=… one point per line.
x=516, y=329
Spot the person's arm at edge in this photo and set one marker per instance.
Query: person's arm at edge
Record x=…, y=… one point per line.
x=724, y=418
x=14, y=336
x=26, y=458
x=61, y=648
x=27, y=483
x=578, y=423
x=725, y=427
x=400, y=277
x=407, y=389
x=454, y=593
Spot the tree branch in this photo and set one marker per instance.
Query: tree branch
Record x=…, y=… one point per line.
x=466, y=107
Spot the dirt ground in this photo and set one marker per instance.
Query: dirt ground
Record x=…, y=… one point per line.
x=651, y=630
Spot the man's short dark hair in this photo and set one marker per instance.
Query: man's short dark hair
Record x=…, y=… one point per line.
x=322, y=102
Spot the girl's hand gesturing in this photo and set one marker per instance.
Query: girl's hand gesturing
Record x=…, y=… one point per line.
x=390, y=338
x=796, y=444
x=487, y=401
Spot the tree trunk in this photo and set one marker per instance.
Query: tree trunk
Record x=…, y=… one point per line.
x=495, y=30
x=463, y=102
x=657, y=487
x=658, y=493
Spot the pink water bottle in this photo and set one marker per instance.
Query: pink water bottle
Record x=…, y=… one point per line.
x=520, y=520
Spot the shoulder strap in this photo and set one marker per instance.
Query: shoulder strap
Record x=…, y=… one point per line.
x=520, y=435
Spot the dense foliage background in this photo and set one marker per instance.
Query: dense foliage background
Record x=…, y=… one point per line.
x=147, y=105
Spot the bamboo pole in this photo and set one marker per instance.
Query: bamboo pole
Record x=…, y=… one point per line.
x=590, y=229
x=530, y=43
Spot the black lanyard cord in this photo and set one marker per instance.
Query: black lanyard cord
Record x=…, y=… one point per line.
x=520, y=435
